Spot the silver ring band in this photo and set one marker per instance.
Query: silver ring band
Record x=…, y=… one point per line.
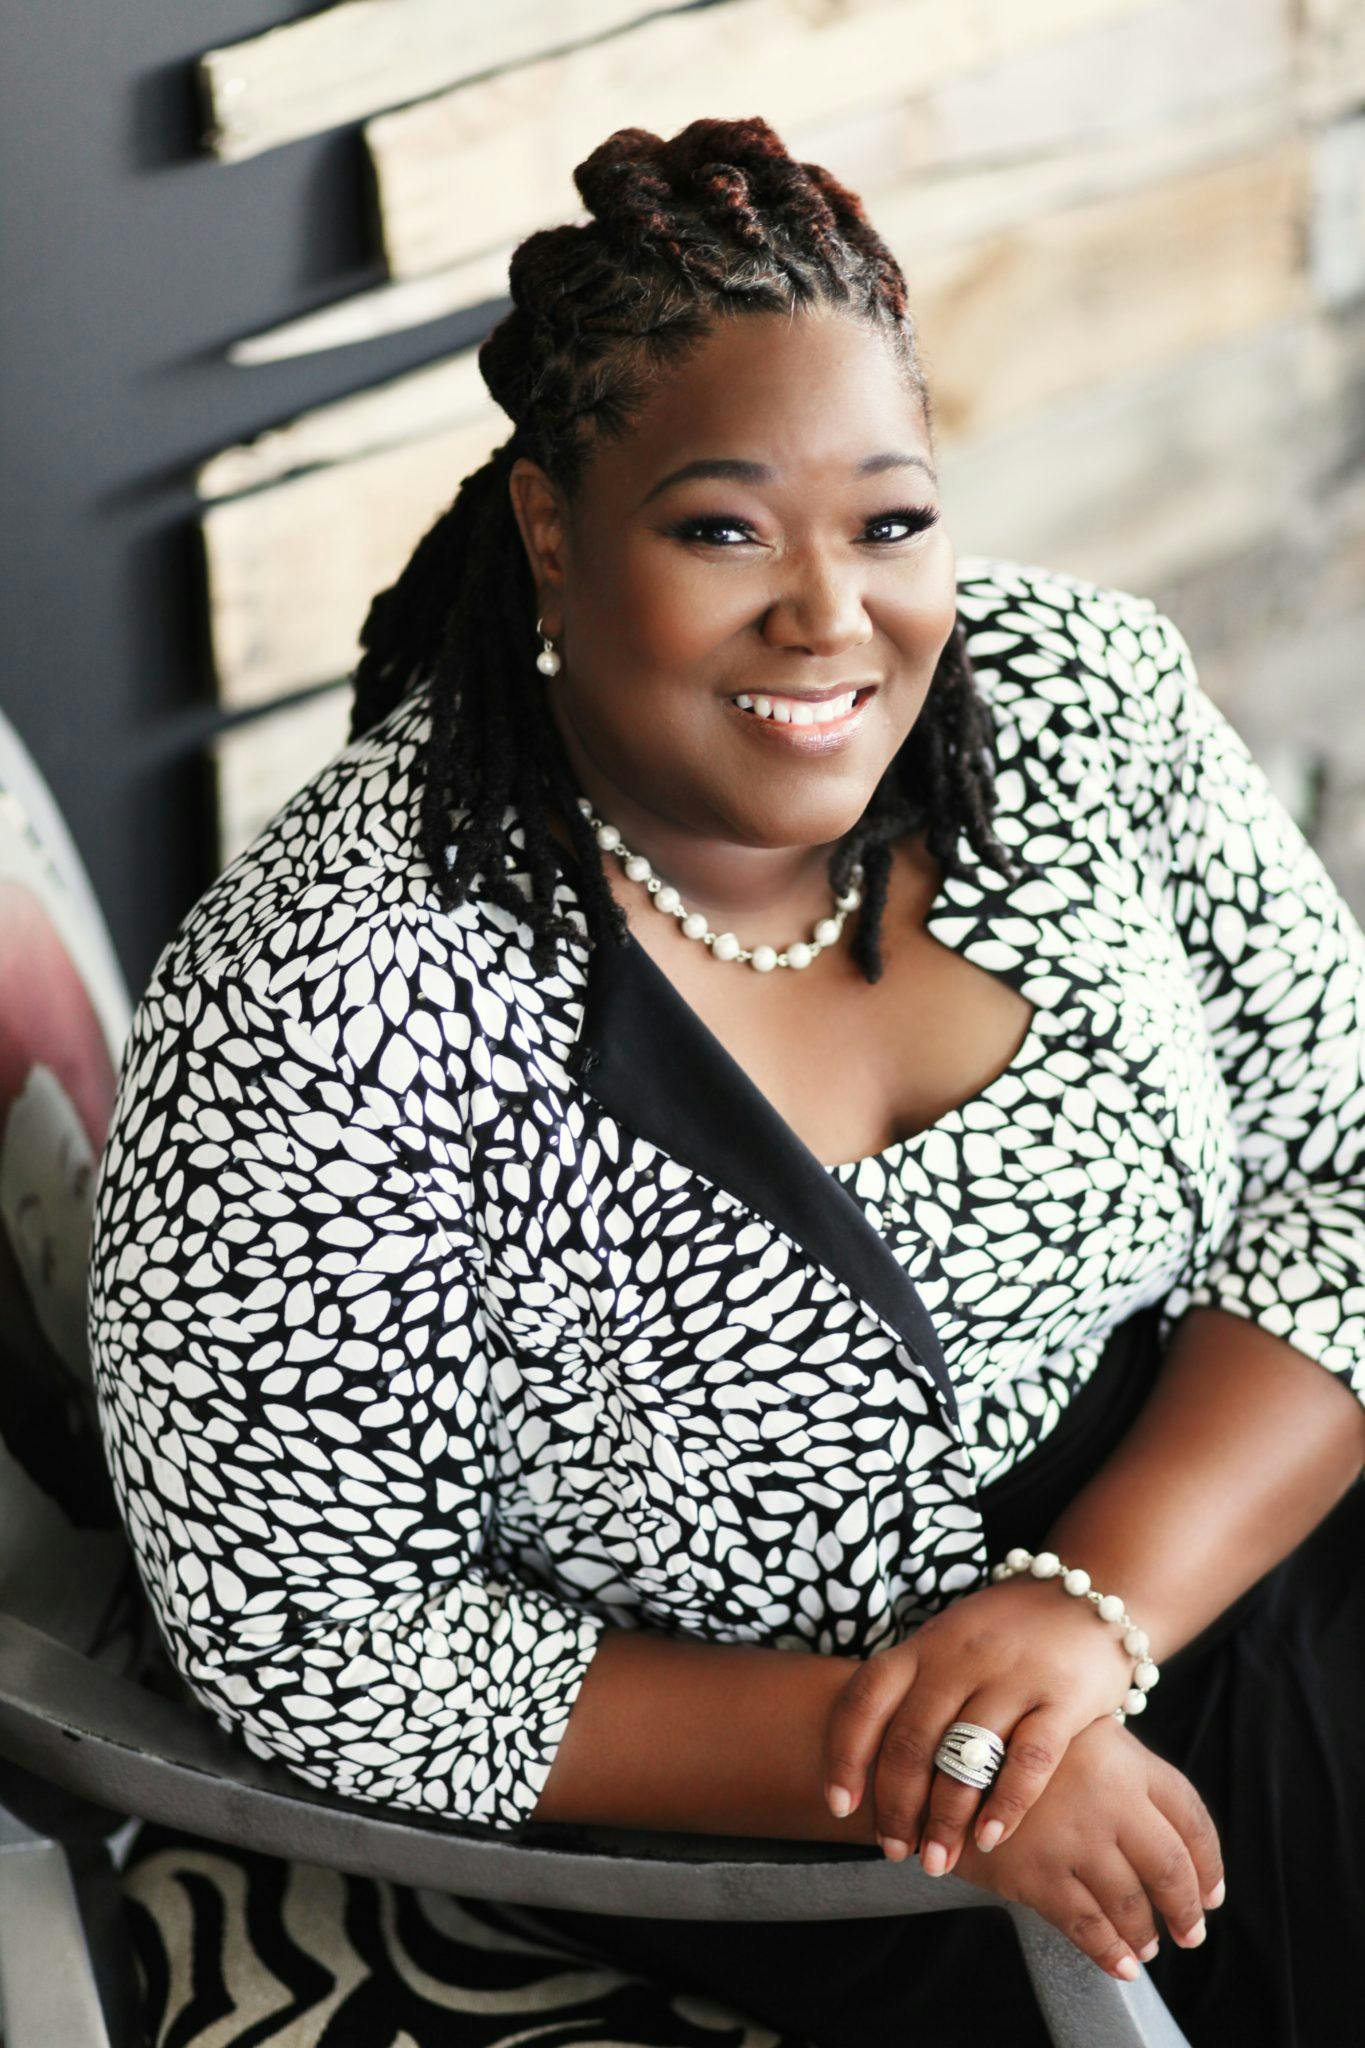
x=973, y=1769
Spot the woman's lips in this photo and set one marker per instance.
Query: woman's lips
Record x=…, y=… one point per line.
x=810, y=739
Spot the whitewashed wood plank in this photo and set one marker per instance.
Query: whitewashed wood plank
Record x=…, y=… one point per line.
x=383, y=309
x=1010, y=321
x=1308, y=649
x=1135, y=480
x=292, y=569
x=1177, y=61
x=407, y=408
x=1337, y=241
x=1186, y=66
x=493, y=160
x=344, y=62
x=260, y=764
x=1340, y=586
x=1333, y=57
x=947, y=212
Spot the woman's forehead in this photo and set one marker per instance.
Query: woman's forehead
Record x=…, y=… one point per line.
x=769, y=401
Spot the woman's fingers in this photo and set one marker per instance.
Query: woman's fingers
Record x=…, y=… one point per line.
x=1124, y=1897
x=952, y=1806
x=1171, y=1792
x=857, y=1722
x=1161, y=1859
x=1082, y=1918
x=1034, y=1747
x=907, y=1780
x=904, y=1776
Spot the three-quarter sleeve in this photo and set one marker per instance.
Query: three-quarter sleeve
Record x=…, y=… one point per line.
x=1279, y=959
x=297, y=1365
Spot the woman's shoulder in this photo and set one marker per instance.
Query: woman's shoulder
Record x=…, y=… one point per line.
x=1034, y=620
x=1073, y=669
x=337, y=868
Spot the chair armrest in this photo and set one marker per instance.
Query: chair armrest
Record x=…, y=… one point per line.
x=109, y=1739
x=130, y=1749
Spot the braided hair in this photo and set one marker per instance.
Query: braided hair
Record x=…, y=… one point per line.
x=717, y=222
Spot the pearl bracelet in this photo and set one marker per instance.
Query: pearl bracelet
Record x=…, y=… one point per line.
x=1045, y=1564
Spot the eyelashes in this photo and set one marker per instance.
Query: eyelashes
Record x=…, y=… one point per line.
x=918, y=518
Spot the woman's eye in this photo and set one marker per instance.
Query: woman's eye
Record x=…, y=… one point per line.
x=916, y=517
x=704, y=529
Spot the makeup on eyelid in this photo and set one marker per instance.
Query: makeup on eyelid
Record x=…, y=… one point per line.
x=920, y=518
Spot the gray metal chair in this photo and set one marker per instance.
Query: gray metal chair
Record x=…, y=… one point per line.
x=96, y=1727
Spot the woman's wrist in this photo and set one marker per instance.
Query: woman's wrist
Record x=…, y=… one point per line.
x=1073, y=1582
x=1154, y=1604
x=1095, y=1652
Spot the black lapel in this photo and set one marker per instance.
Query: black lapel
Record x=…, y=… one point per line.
x=648, y=1058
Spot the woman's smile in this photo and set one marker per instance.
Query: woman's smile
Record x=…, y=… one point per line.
x=809, y=724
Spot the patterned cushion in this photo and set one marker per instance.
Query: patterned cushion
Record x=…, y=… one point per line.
x=234, y=1946
x=64, y=1562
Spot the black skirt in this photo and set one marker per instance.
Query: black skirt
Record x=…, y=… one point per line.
x=1264, y=1713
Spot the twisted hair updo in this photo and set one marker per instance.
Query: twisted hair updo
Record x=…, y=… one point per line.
x=719, y=221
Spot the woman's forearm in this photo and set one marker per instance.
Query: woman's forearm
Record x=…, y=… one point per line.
x=1242, y=1448
x=707, y=1738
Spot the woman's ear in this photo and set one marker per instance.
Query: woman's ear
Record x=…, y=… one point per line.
x=538, y=510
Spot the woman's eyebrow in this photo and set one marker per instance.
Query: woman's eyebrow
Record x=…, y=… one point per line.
x=738, y=471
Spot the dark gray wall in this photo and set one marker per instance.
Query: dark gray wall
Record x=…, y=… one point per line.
x=129, y=259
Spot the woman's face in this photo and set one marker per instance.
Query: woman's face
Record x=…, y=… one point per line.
x=810, y=558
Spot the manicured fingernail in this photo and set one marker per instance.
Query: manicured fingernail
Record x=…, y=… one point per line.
x=1218, y=1894
x=840, y=1801
x=990, y=1834
x=934, y=1858
x=1150, y=1950
x=895, y=1849
x=1194, y=1935
x=1125, y=1967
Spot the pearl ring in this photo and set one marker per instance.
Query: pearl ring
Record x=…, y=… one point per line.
x=971, y=1754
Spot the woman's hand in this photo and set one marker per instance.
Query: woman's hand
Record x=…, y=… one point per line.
x=1017, y=1656
x=1119, y=1837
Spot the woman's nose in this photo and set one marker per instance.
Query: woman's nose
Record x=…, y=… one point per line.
x=823, y=613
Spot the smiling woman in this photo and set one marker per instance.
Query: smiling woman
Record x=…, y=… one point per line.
x=767, y=582
x=515, y=1416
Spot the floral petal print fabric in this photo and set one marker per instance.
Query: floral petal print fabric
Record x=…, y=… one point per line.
x=1185, y=1119
x=417, y=1370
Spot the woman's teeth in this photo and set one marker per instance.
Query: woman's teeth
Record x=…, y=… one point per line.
x=795, y=711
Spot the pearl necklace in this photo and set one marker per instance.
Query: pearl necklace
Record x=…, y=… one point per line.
x=724, y=945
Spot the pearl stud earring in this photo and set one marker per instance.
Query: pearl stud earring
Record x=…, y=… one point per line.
x=547, y=661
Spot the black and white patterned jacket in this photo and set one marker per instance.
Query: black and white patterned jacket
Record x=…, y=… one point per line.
x=443, y=1315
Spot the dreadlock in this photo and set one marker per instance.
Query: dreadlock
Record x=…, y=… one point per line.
x=719, y=221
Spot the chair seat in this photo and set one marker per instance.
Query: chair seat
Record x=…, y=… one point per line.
x=299, y=1956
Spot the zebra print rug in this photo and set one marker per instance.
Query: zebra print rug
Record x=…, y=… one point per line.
x=239, y=1950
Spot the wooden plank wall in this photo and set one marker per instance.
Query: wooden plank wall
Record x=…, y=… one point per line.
x=1142, y=310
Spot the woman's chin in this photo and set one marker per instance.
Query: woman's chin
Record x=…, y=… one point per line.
x=792, y=824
